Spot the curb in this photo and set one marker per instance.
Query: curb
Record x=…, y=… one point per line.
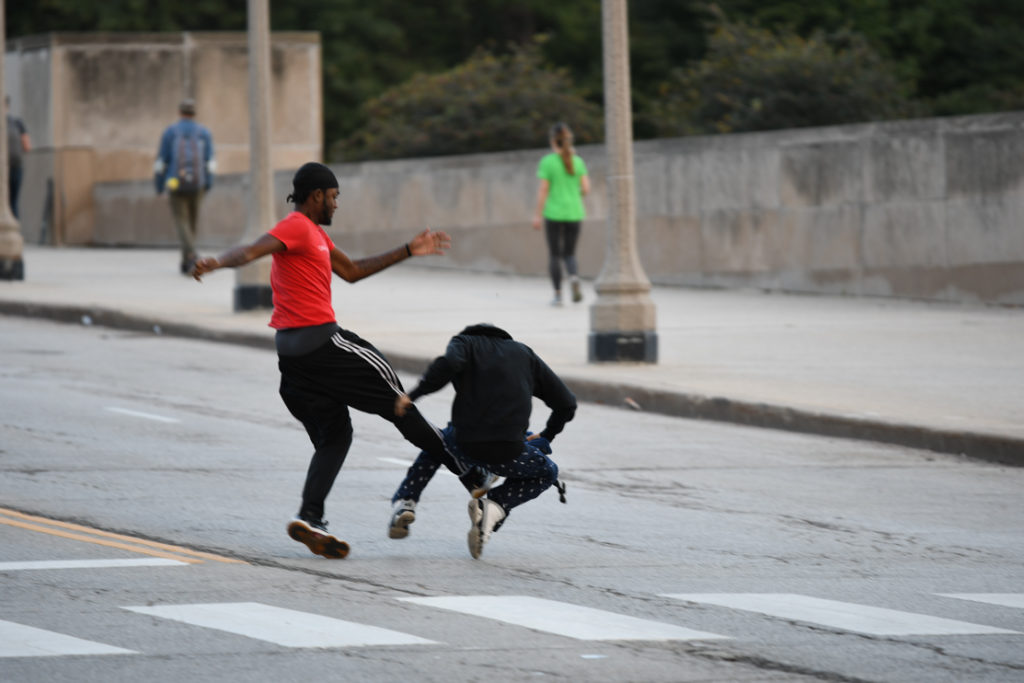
x=1004, y=450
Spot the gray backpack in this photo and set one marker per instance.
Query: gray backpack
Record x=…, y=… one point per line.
x=190, y=165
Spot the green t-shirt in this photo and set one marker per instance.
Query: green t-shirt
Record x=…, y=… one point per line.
x=565, y=203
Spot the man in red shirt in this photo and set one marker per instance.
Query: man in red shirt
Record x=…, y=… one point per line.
x=325, y=369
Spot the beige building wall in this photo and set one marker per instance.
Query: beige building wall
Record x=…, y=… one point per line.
x=96, y=105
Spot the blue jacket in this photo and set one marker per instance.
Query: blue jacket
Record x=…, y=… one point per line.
x=178, y=140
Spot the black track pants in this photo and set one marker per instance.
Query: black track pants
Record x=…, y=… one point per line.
x=320, y=387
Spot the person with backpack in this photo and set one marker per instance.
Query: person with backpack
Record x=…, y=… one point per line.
x=184, y=167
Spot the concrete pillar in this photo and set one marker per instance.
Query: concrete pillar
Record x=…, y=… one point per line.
x=622, y=320
x=252, y=282
x=11, y=241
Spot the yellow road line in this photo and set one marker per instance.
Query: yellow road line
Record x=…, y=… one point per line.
x=99, y=537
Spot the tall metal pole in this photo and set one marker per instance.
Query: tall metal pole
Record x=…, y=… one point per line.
x=252, y=282
x=622, y=320
x=11, y=241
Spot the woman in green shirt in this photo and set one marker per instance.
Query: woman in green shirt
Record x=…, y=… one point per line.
x=563, y=184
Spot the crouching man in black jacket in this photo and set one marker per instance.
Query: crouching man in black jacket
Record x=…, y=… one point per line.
x=495, y=380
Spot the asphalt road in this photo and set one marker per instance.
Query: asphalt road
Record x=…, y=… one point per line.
x=145, y=484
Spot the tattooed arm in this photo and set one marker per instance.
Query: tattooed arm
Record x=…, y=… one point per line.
x=424, y=244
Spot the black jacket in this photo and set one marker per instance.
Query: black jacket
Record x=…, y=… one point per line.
x=495, y=380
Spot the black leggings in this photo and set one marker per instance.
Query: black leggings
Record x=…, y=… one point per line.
x=320, y=387
x=562, y=237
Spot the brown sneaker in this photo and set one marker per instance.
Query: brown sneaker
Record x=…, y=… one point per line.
x=313, y=533
x=577, y=294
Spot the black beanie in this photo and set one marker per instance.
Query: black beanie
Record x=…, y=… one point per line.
x=311, y=176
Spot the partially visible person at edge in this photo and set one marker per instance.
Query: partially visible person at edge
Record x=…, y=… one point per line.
x=563, y=184
x=325, y=370
x=184, y=167
x=18, y=144
x=495, y=379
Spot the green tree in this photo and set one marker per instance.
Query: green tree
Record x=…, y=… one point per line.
x=964, y=56
x=755, y=79
x=959, y=56
x=489, y=103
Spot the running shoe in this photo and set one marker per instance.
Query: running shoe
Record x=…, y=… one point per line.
x=314, y=535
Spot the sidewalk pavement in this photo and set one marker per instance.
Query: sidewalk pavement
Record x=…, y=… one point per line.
x=935, y=376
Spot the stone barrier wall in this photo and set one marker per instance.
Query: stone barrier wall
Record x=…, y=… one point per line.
x=926, y=209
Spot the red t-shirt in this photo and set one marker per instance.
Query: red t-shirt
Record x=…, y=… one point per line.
x=301, y=274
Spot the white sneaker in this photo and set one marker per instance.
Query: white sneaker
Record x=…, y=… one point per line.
x=485, y=516
x=557, y=299
x=403, y=515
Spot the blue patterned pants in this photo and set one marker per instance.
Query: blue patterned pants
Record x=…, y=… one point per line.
x=526, y=477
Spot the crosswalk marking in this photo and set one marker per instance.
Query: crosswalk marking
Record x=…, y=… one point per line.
x=291, y=628
x=18, y=640
x=560, y=618
x=285, y=627
x=841, y=615
x=90, y=564
x=1001, y=599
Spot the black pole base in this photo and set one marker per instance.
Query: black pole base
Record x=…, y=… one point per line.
x=615, y=347
x=12, y=269
x=253, y=297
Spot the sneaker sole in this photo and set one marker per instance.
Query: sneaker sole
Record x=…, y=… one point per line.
x=400, y=526
x=474, y=539
x=476, y=548
x=475, y=512
x=318, y=543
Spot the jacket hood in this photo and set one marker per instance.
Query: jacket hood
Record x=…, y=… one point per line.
x=486, y=330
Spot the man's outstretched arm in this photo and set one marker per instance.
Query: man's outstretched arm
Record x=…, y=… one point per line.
x=238, y=256
x=426, y=243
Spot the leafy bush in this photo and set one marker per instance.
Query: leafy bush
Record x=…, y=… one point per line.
x=488, y=103
x=755, y=79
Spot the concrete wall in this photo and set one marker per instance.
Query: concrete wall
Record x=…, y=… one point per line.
x=930, y=209
x=96, y=105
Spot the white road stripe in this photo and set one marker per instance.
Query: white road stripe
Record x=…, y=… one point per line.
x=1001, y=599
x=841, y=615
x=90, y=564
x=560, y=618
x=285, y=627
x=397, y=461
x=147, y=416
x=407, y=463
x=18, y=640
